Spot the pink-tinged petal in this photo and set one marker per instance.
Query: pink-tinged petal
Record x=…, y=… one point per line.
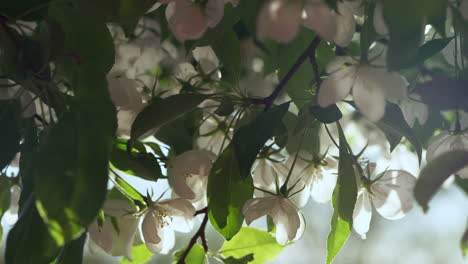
x=392, y=83
x=393, y=193
x=206, y=57
x=413, y=110
x=122, y=241
x=321, y=19
x=369, y=99
x=287, y=220
x=345, y=25
x=187, y=164
x=337, y=86
x=186, y=20
x=258, y=207
x=379, y=22
x=338, y=63
x=124, y=92
x=323, y=184
x=177, y=207
x=362, y=213
x=151, y=228
x=279, y=20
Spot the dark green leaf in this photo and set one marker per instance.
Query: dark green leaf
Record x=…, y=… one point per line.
x=196, y=255
x=227, y=48
x=72, y=252
x=426, y=51
x=226, y=107
x=344, y=199
x=24, y=9
x=295, y=126
x=249, y=241
x=327, y=115
x=9, y=131
x=162, y=111
x=435, y=173
x=230, y=183
x=244, y=260
x=143, y=165
x=29, y=242
x=462, y=183
x=443, y=93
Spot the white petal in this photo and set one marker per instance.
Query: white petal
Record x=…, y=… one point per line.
x=323, y=184
x=393, y=194
x=391, y=83
x=214, y=12
x=346, y=26
x=379, y=22
x=437, y=145
x=151, y=229
x=362, y=213
x=122, y=241
x=337, y=86
x=369, y=99
x=413, y=110
x=186, y=20
x=206, y=57
x=287, y=220
x=179, y=214
x=258, y=207
x=168, y=240
x=103, y=237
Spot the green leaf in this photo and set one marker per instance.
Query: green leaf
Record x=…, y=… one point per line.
x=127, y=190
x=426, y=51
x=443, y=93
x=162, y=111
x=394, y=126
x=327, y=115
x=296, y=125
x=143, y=165
x=462, y=183
x=71, y=165
x=464, y=243
x=5, y=196
x=88, y=43
x=227, y=48
x=24, y=9
x=72, y=252
x=9, y=132
x=435, y=173
x=244, y=260
x=344, y=199
x=196, y=255
x=29, y=241
x=140, y=255
x=248, y=241
x=230, y=184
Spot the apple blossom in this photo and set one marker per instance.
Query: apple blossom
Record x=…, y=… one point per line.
x=379, y=22
x=390, y=192
x=188, y=174
x=160, y=221
x=189, y=20
x=370, y=86
x=448, y=141
x=413, y=110
x=116, y=242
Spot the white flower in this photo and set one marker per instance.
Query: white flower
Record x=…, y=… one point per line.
x=279, y=20
x=207, y=58
x=116, y=242
x=212, y=136
x=369, y=86
x=188, y=174
x=413, y=110
x=288, y=220
x=445, y=142
x=390, y=192
x=330, y=25
x=189, y=20
x=160, y=220
x=379, y=22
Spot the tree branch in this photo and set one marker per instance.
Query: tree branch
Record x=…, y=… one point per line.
x=199, y=234
x=310, y=50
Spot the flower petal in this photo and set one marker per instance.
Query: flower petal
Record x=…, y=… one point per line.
x=151, y=229
x=337, y=86
x=323, y=184
x=369, y=99
x=345, y=25
x=362, y=213
x=287, y=221
x=258, y=207
x=321, y=19
x=379, y=22
x=279, y=20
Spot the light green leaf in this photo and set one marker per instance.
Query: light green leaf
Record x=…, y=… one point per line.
x=140, y=255
x=72, y=252
x=344, y=199
x=162, y=111
x=435, y=173
x=244, y=260
x=196, y=255
x=230, y=184
x=250, y=240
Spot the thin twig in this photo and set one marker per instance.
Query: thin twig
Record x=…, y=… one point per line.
x=199, y=234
